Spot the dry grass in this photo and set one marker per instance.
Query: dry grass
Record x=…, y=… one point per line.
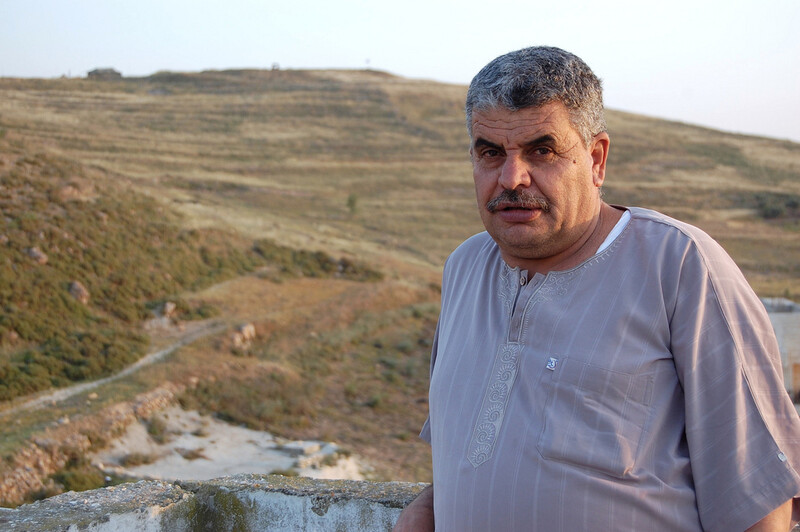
x=340, y=361
x=278, y=154
x=283, y=155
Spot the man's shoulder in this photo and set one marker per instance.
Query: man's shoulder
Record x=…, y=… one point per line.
x=478, y=244
x=475, y=254
x=642, y=213
x=661, y=222
x=676, y=238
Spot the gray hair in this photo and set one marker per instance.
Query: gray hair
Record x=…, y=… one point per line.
x=534, y=76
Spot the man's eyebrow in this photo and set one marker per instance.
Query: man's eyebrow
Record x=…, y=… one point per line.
x=483, y=143
x=538, y=141
x=547, y=139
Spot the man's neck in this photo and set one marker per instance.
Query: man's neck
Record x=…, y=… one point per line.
x=581, y=250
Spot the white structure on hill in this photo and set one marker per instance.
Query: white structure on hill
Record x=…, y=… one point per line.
x=785, y=317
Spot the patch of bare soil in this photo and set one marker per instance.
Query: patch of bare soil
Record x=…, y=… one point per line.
x=189, y=446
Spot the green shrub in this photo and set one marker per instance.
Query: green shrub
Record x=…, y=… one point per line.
x=304, y=263
x=772, y=205
x=157, y=429
x=136, y=459
x=352, y=203
x=79, y=475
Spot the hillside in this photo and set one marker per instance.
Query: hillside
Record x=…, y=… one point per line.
x=318, y=206
x=283, y=154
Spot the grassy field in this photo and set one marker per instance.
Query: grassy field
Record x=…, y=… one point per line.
x=372, y=165
x=250, y=195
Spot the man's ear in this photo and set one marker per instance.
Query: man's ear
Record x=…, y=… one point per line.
x=599, y=153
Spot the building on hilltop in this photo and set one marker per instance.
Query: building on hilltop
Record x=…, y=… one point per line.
x=104, y=74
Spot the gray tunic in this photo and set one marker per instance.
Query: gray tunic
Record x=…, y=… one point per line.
x=640, y=390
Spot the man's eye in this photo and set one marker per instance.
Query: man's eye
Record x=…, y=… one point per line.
x=542, y=150
x=490, y=153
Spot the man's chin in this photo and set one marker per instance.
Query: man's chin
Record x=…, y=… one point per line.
x=518, y=216
x=522, y=239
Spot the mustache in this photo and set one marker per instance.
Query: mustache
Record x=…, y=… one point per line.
x=519, y=200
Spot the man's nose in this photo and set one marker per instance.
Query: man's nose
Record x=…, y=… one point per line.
x=514, y=173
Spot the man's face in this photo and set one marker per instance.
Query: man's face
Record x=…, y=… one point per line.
x=535, y=180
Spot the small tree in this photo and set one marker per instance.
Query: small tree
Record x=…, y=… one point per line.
x=352, y=203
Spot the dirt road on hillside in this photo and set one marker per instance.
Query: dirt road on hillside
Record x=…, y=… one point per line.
x=62, y=394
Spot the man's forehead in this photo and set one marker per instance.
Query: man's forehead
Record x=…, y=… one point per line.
x=551, y=119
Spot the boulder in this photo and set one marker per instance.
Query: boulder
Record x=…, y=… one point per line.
x=168, y=310
x=244, y=336
x=68, y=192
x=79, y=292
x=248, y=331
x=37, y=255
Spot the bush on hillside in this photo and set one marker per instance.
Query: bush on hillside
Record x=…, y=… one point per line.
x=771, y=206
x=303, y=263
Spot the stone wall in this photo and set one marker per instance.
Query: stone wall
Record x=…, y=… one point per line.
x=241, y=503
x=28, y=470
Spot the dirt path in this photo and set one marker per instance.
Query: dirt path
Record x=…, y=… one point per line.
x=62, y=394
x=238, y=298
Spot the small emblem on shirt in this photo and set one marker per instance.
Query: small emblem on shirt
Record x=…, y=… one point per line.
x=552, y=362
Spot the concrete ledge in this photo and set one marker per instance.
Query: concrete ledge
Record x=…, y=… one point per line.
x=243, y=503
x=141, y=507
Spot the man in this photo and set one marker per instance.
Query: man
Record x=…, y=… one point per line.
x=595, y=367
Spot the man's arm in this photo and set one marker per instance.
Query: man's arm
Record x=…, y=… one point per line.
x=779, y=520
x=417, y=516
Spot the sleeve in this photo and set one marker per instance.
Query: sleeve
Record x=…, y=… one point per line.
x=425, y=433
x=742, y=429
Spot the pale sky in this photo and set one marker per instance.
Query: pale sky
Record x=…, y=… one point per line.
x=729, y=64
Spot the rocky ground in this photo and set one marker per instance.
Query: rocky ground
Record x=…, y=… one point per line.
x=189, y=446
